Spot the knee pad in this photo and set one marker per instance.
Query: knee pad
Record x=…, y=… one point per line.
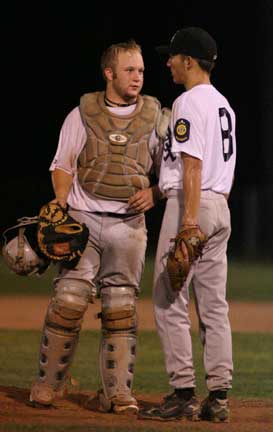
x=118, y=310
x=67, y=308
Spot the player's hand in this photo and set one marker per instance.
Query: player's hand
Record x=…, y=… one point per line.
x=184, y=252
x=60, y=201
x=142, y=200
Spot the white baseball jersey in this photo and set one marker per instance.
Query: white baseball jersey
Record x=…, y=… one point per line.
x=203, y=126
x=71, y=141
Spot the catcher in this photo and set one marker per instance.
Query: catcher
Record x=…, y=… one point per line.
x=109, y=147
x=196, y=175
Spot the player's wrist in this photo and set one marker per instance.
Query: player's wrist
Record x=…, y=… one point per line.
x=61, y=201
x=189, y=223
x=184, y=227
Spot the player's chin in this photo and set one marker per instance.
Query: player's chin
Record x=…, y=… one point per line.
x=176, y=80
x=133, y=92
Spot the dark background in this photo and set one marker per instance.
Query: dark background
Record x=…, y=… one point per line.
x=51, y=56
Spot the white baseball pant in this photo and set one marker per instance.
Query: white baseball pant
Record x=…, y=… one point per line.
x=208, y=277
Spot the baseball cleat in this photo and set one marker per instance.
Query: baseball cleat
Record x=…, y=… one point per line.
x=117, y=405
x=173, y=408
x=215, y=410
x=130, y=408
x=42, y=395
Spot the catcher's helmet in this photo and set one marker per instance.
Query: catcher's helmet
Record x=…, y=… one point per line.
x=20, y=253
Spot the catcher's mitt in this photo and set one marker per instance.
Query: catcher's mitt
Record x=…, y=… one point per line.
x=60, y=237
x=177, y=267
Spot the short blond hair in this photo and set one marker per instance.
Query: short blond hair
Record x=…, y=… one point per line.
x=109, y=57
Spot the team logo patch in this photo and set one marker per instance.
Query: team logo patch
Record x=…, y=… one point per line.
x=182, y=130
x=118, y=138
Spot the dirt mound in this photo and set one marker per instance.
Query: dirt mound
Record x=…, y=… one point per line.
x=81, y=408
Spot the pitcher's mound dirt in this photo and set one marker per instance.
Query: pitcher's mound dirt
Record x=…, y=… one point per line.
x=82, y=409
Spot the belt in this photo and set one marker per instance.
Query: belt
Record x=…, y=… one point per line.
x=205, y=193
x=114, y=215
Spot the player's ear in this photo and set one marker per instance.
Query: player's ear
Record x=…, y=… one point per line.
x=189, y=62
x=108, y=73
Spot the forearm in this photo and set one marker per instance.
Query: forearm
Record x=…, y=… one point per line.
x=192, y=168
x=61, y=182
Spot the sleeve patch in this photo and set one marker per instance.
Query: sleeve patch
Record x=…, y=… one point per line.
x=182, y=130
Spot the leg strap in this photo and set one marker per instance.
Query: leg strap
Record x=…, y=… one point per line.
x=118, y=310
x=67, y=308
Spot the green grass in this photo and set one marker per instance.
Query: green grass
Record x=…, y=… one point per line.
x=12, y=284
x=253, y=371
x=250, y=281
x=253, y=377
x=246, y=281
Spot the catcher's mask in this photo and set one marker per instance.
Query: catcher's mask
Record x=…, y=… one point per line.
x=21, y=252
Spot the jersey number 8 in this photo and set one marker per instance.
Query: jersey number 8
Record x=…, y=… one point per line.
x=226, y=129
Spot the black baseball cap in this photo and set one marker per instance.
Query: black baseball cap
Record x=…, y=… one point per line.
x=192, y=41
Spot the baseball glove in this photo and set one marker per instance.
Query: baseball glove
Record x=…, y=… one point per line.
x=60, y=237
x=177, y=267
